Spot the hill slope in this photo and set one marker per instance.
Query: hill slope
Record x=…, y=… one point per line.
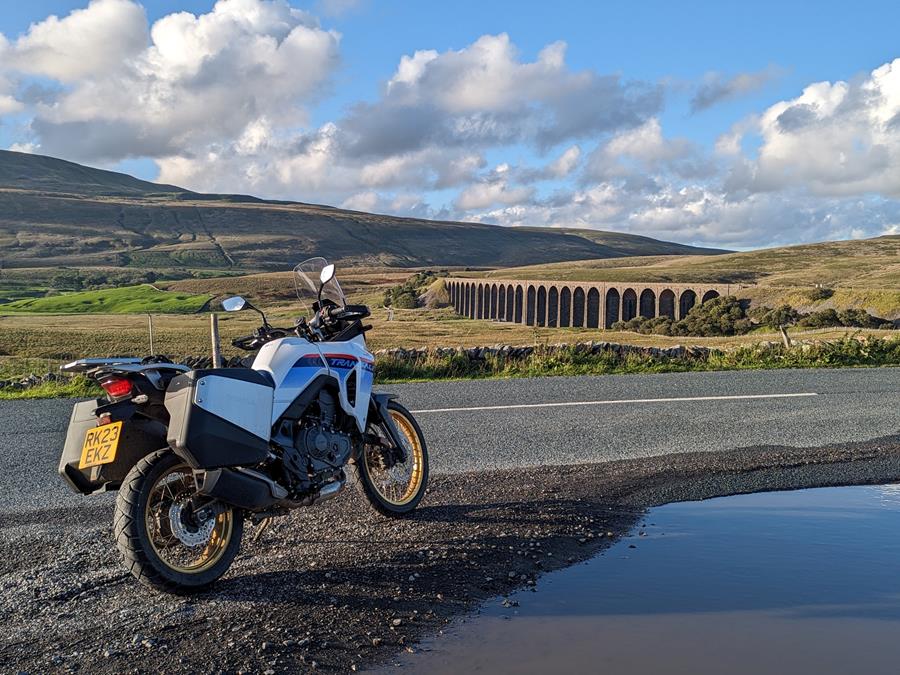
x=54, y=212
x=862, y=263
x=864, y=274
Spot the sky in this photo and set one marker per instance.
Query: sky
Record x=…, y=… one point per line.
x=738, y=125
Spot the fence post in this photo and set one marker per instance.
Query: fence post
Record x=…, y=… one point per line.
x=216, y=345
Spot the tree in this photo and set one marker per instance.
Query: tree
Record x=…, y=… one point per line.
x=781, y=318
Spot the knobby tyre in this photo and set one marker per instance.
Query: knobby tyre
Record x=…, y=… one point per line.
x=162, y=546
x=395, y=490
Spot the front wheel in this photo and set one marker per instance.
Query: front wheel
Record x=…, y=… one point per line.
x=166, y=544
x=394, y=488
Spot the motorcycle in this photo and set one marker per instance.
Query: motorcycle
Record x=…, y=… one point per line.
x=195, y=453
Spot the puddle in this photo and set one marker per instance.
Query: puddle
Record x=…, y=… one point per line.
x=790, y=582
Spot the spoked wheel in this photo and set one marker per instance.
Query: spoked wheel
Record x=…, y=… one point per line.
x=394, y=482
x=165, y=542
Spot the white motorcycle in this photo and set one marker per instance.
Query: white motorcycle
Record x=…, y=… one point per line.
x=247, y=442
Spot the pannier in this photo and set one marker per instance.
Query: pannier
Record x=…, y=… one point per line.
x=220, y=417
x=138, y=439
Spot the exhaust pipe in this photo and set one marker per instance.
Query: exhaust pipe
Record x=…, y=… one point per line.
x=243, y=488
x=329, y=491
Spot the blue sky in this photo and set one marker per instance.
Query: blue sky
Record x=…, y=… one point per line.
x=659, y=166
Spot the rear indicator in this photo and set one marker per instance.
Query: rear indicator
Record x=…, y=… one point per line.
x=116, y=387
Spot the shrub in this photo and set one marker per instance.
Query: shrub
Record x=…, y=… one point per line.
x=819, y=294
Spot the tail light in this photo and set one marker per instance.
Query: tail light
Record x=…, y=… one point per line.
x=116, y=387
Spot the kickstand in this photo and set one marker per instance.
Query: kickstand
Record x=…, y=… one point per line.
x=261, y=528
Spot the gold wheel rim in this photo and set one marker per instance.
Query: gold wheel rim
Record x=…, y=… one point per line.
x=176, y=484
x=400, y=484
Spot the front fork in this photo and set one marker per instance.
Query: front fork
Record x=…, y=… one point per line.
x=380, y=414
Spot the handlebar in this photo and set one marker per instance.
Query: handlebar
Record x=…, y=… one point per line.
x=326, y=322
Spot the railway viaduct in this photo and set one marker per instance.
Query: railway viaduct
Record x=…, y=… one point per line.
x=558, y=304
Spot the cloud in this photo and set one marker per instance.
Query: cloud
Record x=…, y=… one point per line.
x=644, y=151
x=717, y=88
x=87, y=41
x=835, y=139
x=484, y=95
x=493, y=190
x=437, y=116
x=171, y=89
x=565, y=164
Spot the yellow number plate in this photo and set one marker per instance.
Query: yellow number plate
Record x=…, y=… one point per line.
x=100, y=445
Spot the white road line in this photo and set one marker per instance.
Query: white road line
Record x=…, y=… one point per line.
x=614, y=402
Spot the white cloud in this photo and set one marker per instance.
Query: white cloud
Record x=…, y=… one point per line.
x=199, y=80
x=566, y=163
x=493, y=189
x=87, y=41
x=643, y=152
x=835, y=139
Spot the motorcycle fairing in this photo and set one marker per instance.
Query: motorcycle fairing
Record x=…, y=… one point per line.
x=293, y=363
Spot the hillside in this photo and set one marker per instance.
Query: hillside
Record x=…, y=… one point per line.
x=864, y=273
x=864, y=263
x=56, y=213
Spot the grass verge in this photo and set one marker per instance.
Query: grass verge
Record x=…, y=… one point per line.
x=77, y=387
x=846, y=352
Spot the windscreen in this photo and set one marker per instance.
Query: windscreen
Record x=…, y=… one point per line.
x=306, y=279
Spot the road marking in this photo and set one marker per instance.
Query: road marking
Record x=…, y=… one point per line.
x=614, y=402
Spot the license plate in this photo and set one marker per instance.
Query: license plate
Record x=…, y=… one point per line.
x=100, y=445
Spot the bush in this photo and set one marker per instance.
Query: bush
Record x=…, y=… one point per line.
x=405, y=300
x=406, y=295
x=819, y=294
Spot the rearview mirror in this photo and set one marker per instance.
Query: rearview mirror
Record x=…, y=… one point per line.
x=327, y=274
x=234, y=304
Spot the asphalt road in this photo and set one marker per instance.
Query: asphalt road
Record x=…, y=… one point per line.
x=499, y=424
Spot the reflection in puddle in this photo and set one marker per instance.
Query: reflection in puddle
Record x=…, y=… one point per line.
x=799, y=582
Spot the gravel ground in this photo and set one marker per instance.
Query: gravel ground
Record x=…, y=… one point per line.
x=336, y=588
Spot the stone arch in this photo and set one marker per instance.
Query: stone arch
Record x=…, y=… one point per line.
x=709, y=295
x=465, y=300
x=629, y=304
x=593, y=308
x=667, y=303
x=519, y=304
x=501, y=303
x=686, y=303
x=553, y=307
x=493, y=313
x=510, y=303
x=612, y=307
x=541, y=318
x=647, y=303
x=565, y=307
x=529, y=307
x=578, y=308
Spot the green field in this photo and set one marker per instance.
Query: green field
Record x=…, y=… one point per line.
x=144, y=299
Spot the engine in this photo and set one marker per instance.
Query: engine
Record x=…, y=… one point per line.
x=319, y=449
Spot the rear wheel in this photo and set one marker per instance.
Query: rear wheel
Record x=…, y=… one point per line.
x=394, y=488
x=166, y=544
